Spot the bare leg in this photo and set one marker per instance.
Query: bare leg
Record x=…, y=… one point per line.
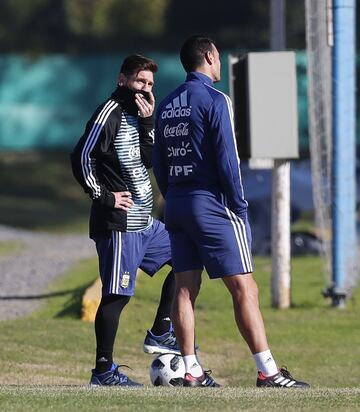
x=244, y=292
x=186, y=291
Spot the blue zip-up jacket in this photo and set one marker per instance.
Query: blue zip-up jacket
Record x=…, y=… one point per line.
x=195, y=149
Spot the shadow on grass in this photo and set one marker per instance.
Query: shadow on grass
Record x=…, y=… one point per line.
x=72, y=307
x=41, y=296
x=63, y=303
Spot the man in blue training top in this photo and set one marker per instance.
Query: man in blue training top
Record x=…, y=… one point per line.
x=197, y=168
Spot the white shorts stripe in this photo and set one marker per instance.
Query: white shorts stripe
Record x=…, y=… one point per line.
x=241, y=238
x=245, y=243
x=116, y=241
x=236, y=231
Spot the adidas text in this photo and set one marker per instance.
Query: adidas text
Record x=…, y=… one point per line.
x=177, y=112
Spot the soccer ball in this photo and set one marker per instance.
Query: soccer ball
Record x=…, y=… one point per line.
x=167, y=370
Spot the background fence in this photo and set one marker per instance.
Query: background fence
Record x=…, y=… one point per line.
x=45, y=101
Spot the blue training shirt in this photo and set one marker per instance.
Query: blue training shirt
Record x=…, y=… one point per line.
x=195, y=148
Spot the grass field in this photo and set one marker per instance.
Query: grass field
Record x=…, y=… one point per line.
x=38, y=192
x=46, y=358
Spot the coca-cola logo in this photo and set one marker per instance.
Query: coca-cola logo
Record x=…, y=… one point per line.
x=181, y=129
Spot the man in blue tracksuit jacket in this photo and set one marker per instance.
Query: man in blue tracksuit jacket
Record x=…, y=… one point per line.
x=197, y=168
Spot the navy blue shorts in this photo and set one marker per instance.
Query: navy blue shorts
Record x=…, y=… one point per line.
x=204, y=232
x=122, y=253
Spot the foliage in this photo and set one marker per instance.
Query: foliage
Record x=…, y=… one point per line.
x=116, y=17
x=84, y=26
x=78, y=26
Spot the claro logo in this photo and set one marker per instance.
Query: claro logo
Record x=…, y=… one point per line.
x=177, y=108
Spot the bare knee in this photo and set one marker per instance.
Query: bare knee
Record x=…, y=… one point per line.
x=242, y=287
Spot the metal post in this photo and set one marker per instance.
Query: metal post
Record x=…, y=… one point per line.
x=344, y=156
x=280, y=219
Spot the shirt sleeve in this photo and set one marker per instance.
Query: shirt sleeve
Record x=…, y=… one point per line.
x=227, y=159
x=85, y=161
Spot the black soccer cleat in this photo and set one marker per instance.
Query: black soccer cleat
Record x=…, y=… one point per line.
x=113, y=377
x=201, y=382
x=165, y=343
x=281, y=380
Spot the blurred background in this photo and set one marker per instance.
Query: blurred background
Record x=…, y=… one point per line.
x=60, y=59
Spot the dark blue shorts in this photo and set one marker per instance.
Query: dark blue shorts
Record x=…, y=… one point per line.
x=122, y=253
x=204, y=232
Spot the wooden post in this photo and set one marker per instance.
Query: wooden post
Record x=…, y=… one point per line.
x=280, y=203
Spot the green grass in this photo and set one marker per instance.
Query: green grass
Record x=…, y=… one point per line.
x=46, y=358
x=50, y=199
x=67, y=292
x=45, y=398
x=10, y=247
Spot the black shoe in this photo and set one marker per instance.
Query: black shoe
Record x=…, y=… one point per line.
x=202, y=381
x=281, y=380
x=113, y=377
x=165, y=343
x=161, y=344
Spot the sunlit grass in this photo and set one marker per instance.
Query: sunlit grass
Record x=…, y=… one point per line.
x=54, y=350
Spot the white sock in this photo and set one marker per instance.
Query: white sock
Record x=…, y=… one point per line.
x=265, y=363
x=192, y=366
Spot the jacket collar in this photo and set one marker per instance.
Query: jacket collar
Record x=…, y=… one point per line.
x=199, y=76
x=126, y=98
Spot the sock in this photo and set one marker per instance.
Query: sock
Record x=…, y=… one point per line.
x=162, y=323
x=265, y=363
x=161, y=327
x=192, y=366
x=106, y=326
x=104, y=362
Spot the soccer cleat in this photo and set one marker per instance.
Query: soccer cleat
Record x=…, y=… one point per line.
x=282, y=380
x=113, y=377
x=201, y=382
x=165, y=343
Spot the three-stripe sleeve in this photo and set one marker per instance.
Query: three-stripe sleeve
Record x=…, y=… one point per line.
x=224, y=141
x=83, y=159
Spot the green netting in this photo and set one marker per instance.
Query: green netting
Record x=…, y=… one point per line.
x=45, y=101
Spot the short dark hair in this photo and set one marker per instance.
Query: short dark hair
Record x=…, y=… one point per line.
x=193, y=51
x=135, y=63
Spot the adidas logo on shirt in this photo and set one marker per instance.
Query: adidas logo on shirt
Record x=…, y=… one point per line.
x=177, y=108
